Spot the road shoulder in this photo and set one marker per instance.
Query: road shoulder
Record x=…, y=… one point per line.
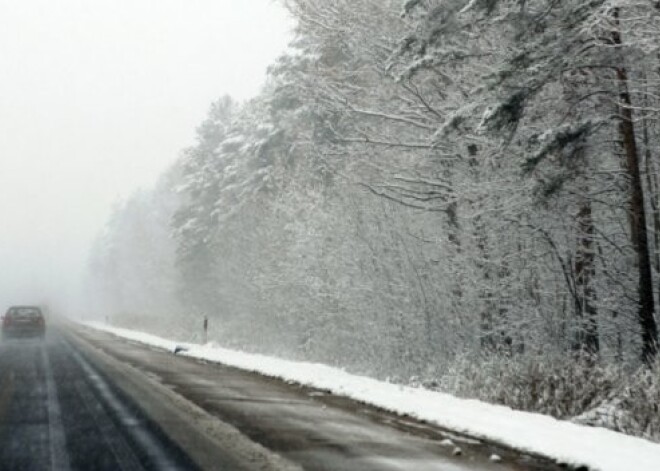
x=211, y=443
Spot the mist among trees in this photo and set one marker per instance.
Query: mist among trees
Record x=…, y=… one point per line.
x=463, y=194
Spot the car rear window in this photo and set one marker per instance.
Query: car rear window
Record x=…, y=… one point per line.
x=24, y=312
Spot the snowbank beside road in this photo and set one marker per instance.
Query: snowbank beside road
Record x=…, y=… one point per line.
x=565, y=442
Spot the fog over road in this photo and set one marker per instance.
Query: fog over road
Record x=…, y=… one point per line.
x=83, y=400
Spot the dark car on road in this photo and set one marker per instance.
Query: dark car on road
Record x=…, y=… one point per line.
x=23, y=321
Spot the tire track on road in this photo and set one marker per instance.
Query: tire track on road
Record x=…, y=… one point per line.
x=133, y=426
x=6, y=393
x=116, y=443
x=59, y=456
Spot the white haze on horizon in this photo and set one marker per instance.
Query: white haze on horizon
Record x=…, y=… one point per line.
x=96, y=99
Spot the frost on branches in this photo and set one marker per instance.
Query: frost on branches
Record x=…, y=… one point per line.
x=461, y=192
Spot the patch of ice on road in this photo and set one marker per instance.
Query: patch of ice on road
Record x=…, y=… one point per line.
x=566, y=442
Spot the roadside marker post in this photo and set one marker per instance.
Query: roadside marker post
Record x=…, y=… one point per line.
x=205, y=337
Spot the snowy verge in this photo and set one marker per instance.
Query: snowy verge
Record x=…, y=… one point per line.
x=566, y=442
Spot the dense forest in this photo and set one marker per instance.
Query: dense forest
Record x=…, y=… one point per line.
x=460, y=194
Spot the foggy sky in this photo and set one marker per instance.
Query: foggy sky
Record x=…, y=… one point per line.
x=97, y=97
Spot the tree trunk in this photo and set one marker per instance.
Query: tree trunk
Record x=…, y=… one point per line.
x=646, y=311
x=652, y=184
x=586, y=340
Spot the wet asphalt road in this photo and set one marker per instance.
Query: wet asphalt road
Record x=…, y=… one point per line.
x=86, y=400
x=58, y=412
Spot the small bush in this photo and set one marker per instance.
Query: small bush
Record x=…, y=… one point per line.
x=632, y=408
x=563, y=387
x=554, y=385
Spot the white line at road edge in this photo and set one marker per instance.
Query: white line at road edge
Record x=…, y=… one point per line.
x=59, y=457
x=138, y=433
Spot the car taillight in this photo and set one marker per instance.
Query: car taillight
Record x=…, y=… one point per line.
x=5, y=321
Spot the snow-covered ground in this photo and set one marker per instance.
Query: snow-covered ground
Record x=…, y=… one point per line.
x=565, y=442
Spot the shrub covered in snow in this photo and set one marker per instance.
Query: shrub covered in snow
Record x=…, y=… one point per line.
x=631, y=408
x=605, y=396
